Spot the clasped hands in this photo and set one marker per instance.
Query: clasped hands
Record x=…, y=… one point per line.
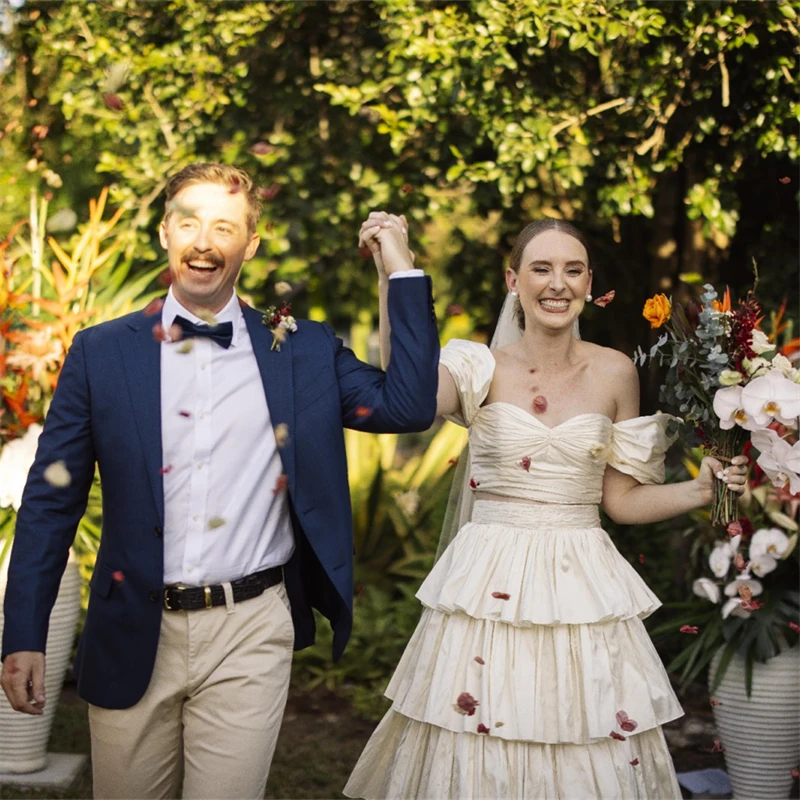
x=386, y=236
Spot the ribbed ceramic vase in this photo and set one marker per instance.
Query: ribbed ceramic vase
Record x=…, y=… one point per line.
x=24, y=738
x=760, y=734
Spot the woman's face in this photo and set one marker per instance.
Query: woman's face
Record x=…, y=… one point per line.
x=552, y=281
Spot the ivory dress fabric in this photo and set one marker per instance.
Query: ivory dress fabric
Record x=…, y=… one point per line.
x=561, y=655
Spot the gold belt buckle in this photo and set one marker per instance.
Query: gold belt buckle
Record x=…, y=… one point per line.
x=166, y=600
x=207, y=595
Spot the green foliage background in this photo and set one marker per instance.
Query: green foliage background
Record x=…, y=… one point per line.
x=666, y=131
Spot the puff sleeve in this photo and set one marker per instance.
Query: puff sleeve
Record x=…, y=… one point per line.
x=639, y=445
x=471, y=366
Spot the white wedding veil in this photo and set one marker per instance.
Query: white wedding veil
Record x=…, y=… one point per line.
x=459, y=504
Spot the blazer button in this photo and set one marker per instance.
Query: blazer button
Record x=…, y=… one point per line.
x=158, y=531
x=153, y=597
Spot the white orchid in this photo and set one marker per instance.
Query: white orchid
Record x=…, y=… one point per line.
x=732, y=589
x=720, y=559
x=760, y=342
x=772, y=396
x=707, y=589
x=734, y=606
x=766, y=548
x=16, y=459
x=779, y=459
x=728, y=407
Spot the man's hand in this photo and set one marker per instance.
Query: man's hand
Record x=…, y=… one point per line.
x=386, y=236
x=23, y=681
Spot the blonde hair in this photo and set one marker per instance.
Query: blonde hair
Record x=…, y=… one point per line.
x=237, y=180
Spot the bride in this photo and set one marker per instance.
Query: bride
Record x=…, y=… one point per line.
x=530, y=674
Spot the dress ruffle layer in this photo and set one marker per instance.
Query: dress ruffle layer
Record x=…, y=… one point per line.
x=554, y=575
x=545, y=684
x=408, y=759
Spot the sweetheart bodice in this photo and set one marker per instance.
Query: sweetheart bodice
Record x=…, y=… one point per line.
x=514, y=454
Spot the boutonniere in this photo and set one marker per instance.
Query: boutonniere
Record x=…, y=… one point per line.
x=280, y=321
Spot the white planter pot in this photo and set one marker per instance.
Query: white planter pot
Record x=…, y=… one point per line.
x=760, y=734
x=24, y=738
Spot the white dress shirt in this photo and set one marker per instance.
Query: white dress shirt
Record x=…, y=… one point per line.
x=222, y=520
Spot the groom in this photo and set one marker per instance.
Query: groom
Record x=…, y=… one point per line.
x=226, y=512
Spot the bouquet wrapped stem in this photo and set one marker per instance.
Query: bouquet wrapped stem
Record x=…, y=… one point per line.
x=725, y=503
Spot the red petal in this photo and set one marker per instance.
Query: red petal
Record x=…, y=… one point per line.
x=407, y=188
x=362, y=412
x=621, y=717
x=785, y=179
x=269, y=193
x=689, y=629
x=734, y=528
x=159, y=334
x=360, y=590
x=466, y=702
x=717, y=748
x=525, y=464
x=454, y=310
x=154, y=307
x=501, y=596
x=796, y=773
x=262, y=148
x=473, y=484
x=113, y=102
x=186, y=414
x=365, y=252
x=635, y=762
x=118, y=576
x=795, y=627
x=539, y=404
x=482, y=728
x=615, y=735
x=629, y=726
x=641, y=558
x=715, y=702
x=166, y=470
x=479, y=660
x=605, y=299
x=280, y=484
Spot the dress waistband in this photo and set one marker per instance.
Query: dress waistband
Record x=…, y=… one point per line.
x=488, y=512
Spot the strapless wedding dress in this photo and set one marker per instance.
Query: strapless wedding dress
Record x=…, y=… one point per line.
x=533, y=620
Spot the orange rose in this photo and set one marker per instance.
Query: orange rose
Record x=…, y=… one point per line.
x=657, y=310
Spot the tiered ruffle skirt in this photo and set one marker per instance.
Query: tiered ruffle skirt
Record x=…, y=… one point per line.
x=534, y=614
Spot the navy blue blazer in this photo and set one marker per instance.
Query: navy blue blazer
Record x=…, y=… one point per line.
x=106, y=410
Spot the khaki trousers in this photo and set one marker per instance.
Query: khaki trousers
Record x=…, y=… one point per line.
x=211, y=712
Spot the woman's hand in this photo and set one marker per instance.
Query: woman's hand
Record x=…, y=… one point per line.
x=386, y=236
x=734, y=476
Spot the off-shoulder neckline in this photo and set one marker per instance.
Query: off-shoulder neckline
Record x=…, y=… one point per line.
x=539, y=422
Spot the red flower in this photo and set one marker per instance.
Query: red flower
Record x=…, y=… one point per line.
x=501, y=596
x=625, y=722
x=362, y=412
x=280, y=484
x=605, y=299
x=154, y=307
x=479, y=660
x=526, y=464
x=166, y=470
x=118, y=576
x=615, y=735
x=689, y=629
x=635, y=762
x=473, y=484
x=482, y=728
x=795, y=627
x=717, y=748
x=466, y=704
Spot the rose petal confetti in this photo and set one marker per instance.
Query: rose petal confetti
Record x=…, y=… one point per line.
x=58, y=475
x=185, y=414
x=795, y=627
x=364, y=252
x=717, y=748
x=635, y=762
x=466, y=704
x=752, y=605
x=113, y=102
x=282, y=288
x=785, y=179
x=118, y=576
x=479, y=660
x=526, y=464
x=501, y=596
x=262, y=148
x=605, y=299
x=215, y=522
x=280, y=484
x=166, y=470
x=499, y=724
x=641, y=558
x=539, y=404
x=715, y=702
x=619, y=736
x=281, y=434
x=268, y=193
x=473, y=484
x=154, y=307
x=454, y=310
x=362, y=412
x=482, y=728
x=165, y=278
x=159, y=334
x=175, y=333
x=626, y=723
x=693, y=629
x=795, y=772
x=407, y=188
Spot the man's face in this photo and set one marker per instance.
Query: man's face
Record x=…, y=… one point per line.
x=206, y=239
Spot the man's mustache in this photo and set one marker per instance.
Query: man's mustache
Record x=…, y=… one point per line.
x=195, y=255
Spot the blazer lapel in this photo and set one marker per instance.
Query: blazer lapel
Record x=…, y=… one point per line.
x=141, y=355
x=276, y=371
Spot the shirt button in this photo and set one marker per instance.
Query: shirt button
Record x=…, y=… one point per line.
x=190, y=570
x=153, y=597
x=158, y=531
x=195, y=518
x=203, y=366
x=200, y=465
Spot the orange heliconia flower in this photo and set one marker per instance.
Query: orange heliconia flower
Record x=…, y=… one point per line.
x=725, y=305
x=657, y=310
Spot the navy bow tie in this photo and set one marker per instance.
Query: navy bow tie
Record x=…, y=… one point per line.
x=222, y=333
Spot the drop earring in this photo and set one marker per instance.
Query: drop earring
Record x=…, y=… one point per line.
x=588, y=298
x=514, y=293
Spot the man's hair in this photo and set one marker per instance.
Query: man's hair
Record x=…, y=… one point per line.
x=237, y=180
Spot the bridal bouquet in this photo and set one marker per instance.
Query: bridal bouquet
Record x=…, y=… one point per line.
x=729, y=381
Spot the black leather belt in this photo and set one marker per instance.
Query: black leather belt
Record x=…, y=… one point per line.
x=188, y=598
